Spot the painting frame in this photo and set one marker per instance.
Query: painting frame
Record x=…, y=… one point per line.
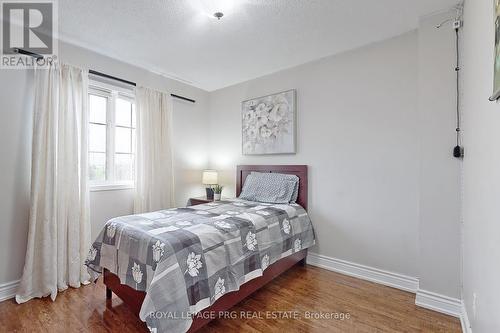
x=282, y=139
x=496, y=68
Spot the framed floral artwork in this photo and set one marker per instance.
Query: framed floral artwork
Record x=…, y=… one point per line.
x=496, y=73
x=268, y=124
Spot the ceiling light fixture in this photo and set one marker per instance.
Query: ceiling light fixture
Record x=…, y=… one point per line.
x=218, y=15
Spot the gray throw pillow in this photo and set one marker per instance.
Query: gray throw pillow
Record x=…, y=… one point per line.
x=279, y=176
x=270, y=188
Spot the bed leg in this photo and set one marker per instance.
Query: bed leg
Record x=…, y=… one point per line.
x=109, y=293
x=302, y=263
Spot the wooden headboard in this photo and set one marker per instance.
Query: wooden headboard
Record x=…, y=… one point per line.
x=242, y=171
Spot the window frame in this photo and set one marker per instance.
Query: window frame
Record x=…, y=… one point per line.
x=112, y=93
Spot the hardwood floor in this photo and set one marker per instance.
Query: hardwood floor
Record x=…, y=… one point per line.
x=371, y=308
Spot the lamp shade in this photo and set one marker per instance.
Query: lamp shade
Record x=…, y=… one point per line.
x=209, y=177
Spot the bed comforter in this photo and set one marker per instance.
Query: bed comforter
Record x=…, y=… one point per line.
x=186, y=258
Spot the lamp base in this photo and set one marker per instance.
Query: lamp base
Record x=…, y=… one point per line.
x=210, y=193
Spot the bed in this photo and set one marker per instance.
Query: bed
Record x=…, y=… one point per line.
x=173, y=282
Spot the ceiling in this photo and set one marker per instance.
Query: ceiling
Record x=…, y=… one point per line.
x=182, y=40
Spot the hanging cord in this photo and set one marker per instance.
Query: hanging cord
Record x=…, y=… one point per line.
x=458, y=150
x=457, y=70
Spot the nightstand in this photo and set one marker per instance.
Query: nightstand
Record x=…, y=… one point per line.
x=198, y=201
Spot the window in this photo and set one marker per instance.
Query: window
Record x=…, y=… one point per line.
x=111, y=137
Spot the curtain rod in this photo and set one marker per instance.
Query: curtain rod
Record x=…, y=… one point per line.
x=28, y=53
x=91, y=71
x=39, y=56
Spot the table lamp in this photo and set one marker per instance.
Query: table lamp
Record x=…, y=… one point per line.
x=209, y=178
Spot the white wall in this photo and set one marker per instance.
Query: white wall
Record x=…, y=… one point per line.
x=357, y=131
x=15, y=164
x=439, y=227
x=189, y=145
x=481, y=202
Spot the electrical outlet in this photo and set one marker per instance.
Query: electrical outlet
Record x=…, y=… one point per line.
x=457, y=24
x=474, y=305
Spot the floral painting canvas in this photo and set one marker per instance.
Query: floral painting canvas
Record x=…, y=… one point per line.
x=268, y=124
x=496, y=83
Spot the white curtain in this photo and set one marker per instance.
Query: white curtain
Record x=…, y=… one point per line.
x=59, y=227
x=154, y=178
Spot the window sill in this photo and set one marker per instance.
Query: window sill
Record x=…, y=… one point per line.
x=111, y=187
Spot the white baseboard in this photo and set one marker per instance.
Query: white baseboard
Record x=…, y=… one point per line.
x=8, y=290
x=440, y=303
x=464, y=320
x=387, y=278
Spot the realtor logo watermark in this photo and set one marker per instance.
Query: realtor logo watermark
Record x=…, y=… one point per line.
x=28, y=27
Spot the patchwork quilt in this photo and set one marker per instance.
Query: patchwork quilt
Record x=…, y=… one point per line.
x=186, y=258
